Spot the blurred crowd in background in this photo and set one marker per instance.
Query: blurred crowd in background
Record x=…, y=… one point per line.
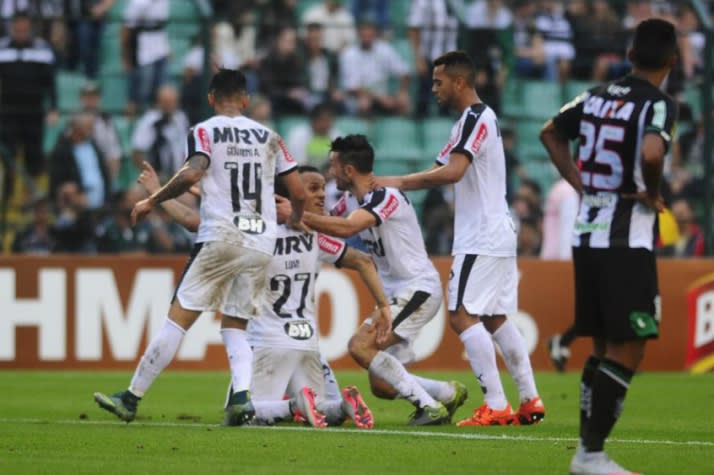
x=91, y=88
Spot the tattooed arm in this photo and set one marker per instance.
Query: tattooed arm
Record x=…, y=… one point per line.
x=187, y=176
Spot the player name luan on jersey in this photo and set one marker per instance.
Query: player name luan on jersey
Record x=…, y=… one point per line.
x=236, y=135
x=608, y=109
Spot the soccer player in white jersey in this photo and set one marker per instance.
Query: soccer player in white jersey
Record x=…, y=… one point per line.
x=236, y=160
x=483, y=284
x=387, y=224
x=284, y=338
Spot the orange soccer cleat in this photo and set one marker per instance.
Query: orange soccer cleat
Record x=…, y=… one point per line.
x=531, y=411
x=485, y=416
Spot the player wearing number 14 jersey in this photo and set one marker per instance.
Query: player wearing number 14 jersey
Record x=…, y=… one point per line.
x=236, y=160
x=625, y=128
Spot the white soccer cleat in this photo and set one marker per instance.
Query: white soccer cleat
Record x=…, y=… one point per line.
x=596, y=463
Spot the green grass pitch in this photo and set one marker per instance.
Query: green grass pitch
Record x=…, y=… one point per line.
x=49, y=424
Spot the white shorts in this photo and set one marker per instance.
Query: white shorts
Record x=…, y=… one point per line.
x=411, y=310
x=484, y=285
x=225, y=277
x=281, y=371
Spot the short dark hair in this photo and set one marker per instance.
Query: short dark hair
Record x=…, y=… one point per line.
x=308, y=169
x=321, y=110
x=21, y=15
x=459, y=63
x=227, y=83
x=654, y=45
x=282, y=190
x=354, y=150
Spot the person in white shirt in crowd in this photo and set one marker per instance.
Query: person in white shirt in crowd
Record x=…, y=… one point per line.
x=159, y=134
x=223, y=55
x=105, y=134
x=145, y=50
x=561, y=209
x=433, y=29
x=365, y=70
x=310, y=143
x=488, y=14
x=337, y=22
x=557, y=40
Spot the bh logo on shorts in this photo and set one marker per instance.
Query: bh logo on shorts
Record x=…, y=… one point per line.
x=299, y=330
x=249, y=225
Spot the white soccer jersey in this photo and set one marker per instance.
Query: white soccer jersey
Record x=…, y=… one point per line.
x=287, y=316
x=237, y=202
x=482, y=221
x=395, y=242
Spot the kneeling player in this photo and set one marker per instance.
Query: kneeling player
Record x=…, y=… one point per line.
x=387, y=224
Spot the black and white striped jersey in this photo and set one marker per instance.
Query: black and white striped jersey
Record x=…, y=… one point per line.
x=611, y=121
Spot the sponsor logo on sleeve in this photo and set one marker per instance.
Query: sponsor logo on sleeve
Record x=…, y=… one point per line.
x=481, y=136
x=289, y=158
x=329, y=245
x=700, y=334
x=203, y=139
x=389, y=208
x=340, y=207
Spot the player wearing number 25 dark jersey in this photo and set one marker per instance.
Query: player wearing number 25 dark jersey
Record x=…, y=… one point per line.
x=624, y=130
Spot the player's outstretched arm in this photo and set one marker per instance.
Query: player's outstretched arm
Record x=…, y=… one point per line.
x=337, y=226
x=557, y=145
x=362, y=263
x=447, y=174
x=184, y=215
x=187, y=176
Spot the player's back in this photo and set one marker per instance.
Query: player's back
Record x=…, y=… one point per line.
x=482, y=221
x=287, y=314
x=237, y=190
x=613, y=119
x=395, y=243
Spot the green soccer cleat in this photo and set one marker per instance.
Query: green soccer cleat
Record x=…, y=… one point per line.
x=461, y=394
x=430, y=416
x=122, y=404
x=239, y=410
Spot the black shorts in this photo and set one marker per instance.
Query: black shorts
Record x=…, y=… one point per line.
x=616, y=293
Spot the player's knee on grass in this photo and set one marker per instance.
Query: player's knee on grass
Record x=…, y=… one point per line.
x=362, y=347
x=381, y=389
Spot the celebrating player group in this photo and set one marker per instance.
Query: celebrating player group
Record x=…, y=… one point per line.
x=260, y=212
x=263, y=233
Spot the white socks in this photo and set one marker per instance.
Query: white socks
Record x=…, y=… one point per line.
x=272, y=411
x=513, y=348
x=439, y=390
x=388, y=368
x=240, y=357
x=482, y=357
x=332, y=387
x=157, y=356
